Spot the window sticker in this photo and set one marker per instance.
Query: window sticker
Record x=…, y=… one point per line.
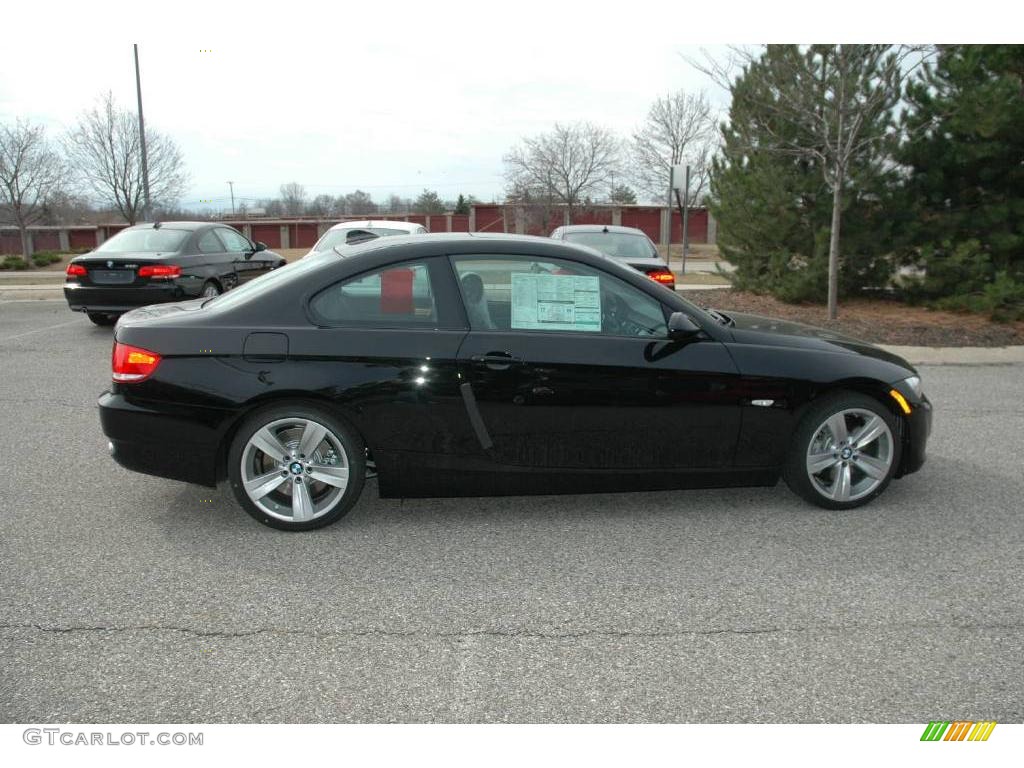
x=556, y=302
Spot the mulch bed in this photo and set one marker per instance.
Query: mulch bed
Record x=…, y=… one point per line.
x=879, y=321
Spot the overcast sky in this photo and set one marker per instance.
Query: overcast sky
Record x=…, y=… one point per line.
x=397, y=96
x=392, y=115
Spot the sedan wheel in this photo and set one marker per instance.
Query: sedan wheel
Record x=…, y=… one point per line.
x=210, y=290
x=296, y=468
x=844, y=452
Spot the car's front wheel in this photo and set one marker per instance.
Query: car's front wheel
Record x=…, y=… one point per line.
x=845, y=451
x=296, y=467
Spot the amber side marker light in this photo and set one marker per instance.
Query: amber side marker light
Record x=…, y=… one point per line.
x=904, y=405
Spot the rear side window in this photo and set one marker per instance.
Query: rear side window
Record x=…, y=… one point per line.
x=210, y=243
x=397, y=295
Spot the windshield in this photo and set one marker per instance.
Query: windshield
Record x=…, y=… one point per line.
x=147, y=240
x=618, y=245
x=337, y=237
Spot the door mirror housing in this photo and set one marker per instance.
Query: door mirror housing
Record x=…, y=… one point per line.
x=680, y=326
x=259, y=247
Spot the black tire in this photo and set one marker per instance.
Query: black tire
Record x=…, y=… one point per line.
x=213, y=287
x=795, y=471
x=101, y=319
x=351, y=442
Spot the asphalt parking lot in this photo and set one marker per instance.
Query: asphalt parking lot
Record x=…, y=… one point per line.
x=129, y=598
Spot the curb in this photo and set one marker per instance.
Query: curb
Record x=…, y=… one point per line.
x=958, y=355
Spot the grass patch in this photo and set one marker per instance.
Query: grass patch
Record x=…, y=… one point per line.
x=14, y=262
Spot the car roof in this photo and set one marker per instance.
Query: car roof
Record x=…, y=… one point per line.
x=407, y=225
x=189, y=226
x=610, y=228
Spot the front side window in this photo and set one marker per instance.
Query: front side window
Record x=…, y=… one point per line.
x=396, y=295
x=145, y=240
x=513, y=293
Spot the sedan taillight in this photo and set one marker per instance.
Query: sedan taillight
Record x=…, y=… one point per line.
x=132, y=364
x=75, y=270
x=663, y=276
x=160, y=271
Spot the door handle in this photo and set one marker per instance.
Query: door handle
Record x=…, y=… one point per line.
x=497, y=361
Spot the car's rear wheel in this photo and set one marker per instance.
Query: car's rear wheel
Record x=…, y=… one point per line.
x=296, y=467
x=98, y=318
x=210, y=289
x=845, y=451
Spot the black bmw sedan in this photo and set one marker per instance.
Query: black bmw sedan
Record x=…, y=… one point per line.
x=153, y=263
x=450, y=365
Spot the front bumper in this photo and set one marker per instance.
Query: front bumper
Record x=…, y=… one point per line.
x=103, y=298
x=915, y=441
x=163, y=440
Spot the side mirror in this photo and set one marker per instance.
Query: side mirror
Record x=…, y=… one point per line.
x=260, y=247
x=680, y=326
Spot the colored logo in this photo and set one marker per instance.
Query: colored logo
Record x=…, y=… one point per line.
x=958, y=730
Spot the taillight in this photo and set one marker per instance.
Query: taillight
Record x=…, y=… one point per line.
x=75, y=270
x=663, y=276
x=132, y=364
x=160, y=271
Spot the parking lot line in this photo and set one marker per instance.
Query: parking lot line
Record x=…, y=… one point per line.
x=38, y=330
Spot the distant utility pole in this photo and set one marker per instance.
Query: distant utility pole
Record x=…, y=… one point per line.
x=231, y=184
x=147, y=208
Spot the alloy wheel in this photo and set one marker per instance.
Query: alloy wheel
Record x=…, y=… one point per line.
x=850, y=454
x=295, y=469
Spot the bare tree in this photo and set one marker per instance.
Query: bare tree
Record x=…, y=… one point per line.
x=293, y=196
x=829, y=104
x=30, y=173
x=570, y=162
x=105, y=152
x=679, y=129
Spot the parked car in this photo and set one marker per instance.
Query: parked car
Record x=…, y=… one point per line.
x=166, y=261
x=355, y=232
x=528, y=365
x=628, y=245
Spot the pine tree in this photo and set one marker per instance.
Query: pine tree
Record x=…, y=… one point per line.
x=774, y=199
x=965, y=152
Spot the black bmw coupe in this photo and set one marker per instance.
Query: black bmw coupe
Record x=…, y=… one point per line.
x=454, y=365
x=170, y=261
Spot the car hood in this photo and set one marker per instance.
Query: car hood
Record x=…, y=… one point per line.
x=757, y=329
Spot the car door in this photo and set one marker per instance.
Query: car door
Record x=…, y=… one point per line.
x=216, y=261
x=571, y=367
x=245, y=261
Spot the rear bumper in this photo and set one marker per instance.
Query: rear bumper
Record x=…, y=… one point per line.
x=919, y=428
x=163, y=440
x=102, y=298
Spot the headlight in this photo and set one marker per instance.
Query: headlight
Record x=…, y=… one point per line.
x=914, y=385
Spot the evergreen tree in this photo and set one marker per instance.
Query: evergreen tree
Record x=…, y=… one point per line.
x=774, y=197
x=965, y=152
x=461, y=205
x=429, y=202
x=621, y=194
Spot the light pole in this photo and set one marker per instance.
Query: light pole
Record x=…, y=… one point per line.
x=147, y=209
x=231, y=185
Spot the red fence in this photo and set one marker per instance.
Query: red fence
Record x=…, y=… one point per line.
x=303, y=233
